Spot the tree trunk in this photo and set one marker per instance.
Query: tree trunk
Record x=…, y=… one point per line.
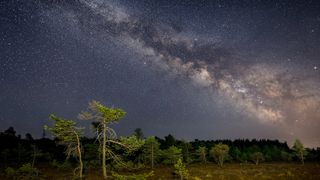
x=80, y=156
x=152, y=156
x=34, y=156
x=104, y=168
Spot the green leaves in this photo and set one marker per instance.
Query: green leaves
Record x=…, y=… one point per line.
x=219, y=152
x=171, y=155
x=132, y=143
x=201, y=152
x=180, y=169
x=101, y=113
x=64, y=130
x=299, y=149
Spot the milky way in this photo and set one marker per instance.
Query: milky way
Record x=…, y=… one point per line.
x=279, y=92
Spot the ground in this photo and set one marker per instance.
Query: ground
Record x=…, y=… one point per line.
x=211, y=171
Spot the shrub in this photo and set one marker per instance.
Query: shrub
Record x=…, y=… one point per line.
x=26, y=170
x=180, y=169
x=219, y=152
x=10, y=172
x=257, y=157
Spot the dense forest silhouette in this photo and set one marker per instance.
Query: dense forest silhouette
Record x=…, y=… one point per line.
x=16, y=149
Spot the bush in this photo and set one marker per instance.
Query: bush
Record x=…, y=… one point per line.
x=10, y=172
x=219, y=152
x=27, y=169
x=257, y=157
x=180, y=169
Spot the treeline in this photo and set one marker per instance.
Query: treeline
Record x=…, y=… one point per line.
x=16, y=150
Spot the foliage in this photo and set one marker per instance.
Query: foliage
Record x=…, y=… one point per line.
x=201, y=153
x=27, y=170
x=151, y=150
x=286, y=156
x=10, y=172
x=144, y=176
x=185, y=149
x=138, y=133
x=219, y=152
x=171, y=155
x=66, y=165
x=299, y=150
x=67, y=134
x=103, y=117
x=257, y=157
x=91, y=157
x=102, y=114
x=132, y=143
x=181, y=170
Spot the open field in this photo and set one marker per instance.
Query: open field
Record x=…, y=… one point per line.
x=209, y=171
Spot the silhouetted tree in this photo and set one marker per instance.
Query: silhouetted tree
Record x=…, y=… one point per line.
x=138, y=133
x=169, y=141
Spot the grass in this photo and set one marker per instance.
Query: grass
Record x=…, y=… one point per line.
x=209, y=171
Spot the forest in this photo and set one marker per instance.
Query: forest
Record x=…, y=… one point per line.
x=67, y=153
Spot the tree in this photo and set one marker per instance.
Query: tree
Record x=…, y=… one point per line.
x=68, y=134
x=169, y=141
x=151, y=150
x=257, y=157
x=104, y=116
x=171, y=155
x=219, y=152
x=299, y=150
x=10, y=131
x=36, y=153
x=236, y=153
x=138, y=132
x=181, y=170
x=201, y=152
x=185, y=147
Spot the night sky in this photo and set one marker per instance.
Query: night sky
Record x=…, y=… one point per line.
x=194, y=69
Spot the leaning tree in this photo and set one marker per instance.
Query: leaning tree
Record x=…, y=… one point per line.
x=68, y=134
x=103, y=117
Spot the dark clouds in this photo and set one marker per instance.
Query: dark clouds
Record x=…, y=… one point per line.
x=209, y=73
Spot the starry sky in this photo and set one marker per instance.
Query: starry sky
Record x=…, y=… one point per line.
x=195, y=69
